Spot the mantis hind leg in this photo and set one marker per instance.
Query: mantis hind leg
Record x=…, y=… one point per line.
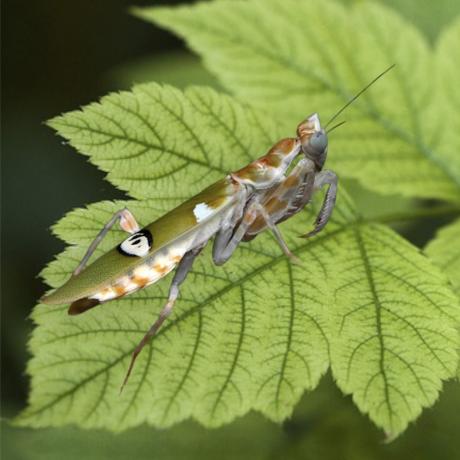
x=181, y=273
x=127, y=222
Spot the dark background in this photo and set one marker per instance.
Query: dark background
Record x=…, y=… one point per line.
x=57, y=56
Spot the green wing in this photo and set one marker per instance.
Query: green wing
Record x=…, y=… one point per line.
x=187, y=217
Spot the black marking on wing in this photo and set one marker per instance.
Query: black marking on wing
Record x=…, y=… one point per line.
x=136, y=240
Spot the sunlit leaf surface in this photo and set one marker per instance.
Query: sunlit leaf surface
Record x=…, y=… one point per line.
x=448, y=63
x=253, y=334
x=310, y=55
x=388, y=326
x=445, y=251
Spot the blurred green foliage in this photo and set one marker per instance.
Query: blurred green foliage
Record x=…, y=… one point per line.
x=324, y=426
x=178, y=68
x=430, y=17
x=57, y=57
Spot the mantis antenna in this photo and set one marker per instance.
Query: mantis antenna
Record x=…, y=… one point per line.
x=336, y=126
x=353, y=99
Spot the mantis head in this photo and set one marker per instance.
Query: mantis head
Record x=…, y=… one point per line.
x=314, y=140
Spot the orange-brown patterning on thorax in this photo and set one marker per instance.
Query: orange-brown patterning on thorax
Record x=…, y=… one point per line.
x=267, y=168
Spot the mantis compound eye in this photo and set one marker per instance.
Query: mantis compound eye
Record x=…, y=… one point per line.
x=315, y=147
x=318, y=142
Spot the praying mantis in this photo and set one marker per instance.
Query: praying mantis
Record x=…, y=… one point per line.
x=235, y=209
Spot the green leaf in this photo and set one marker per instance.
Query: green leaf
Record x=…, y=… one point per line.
x=444, y=250
x=253, y=334
x=388, y=326
x=148, y=139
x=320, y=55
x=430, y=17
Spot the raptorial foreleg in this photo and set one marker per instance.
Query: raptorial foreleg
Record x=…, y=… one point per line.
x=321, y=179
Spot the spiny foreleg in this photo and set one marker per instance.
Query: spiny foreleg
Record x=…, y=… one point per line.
x=324, y=178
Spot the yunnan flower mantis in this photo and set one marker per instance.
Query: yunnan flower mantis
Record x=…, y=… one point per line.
x=234, y=209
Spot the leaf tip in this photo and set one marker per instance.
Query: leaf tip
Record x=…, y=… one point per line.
x=54, y=122
x=137, y=11
x=389, y=437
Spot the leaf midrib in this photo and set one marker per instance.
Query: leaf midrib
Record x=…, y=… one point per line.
x=145, y=144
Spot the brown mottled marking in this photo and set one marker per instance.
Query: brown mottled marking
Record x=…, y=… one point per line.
x=270, y=161
x=265, y=168
x=141, y=281
x=248, y=172
x=306, y=128
x=161, y=269
x=105, y=291
x=249, y=216
x=256, y=171
x=291, y=182
x=119, y=290
x=284, y=146
x=176, y=259
x=257, y=225
x=274, y=205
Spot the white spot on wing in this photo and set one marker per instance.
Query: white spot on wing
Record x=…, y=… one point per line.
x=202, y=211
x=143, y=271
x=131, y=287
x=136, y=245
x=124, y=281
x=104, y=295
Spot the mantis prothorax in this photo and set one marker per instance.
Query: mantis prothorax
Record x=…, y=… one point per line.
x=234, y=209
